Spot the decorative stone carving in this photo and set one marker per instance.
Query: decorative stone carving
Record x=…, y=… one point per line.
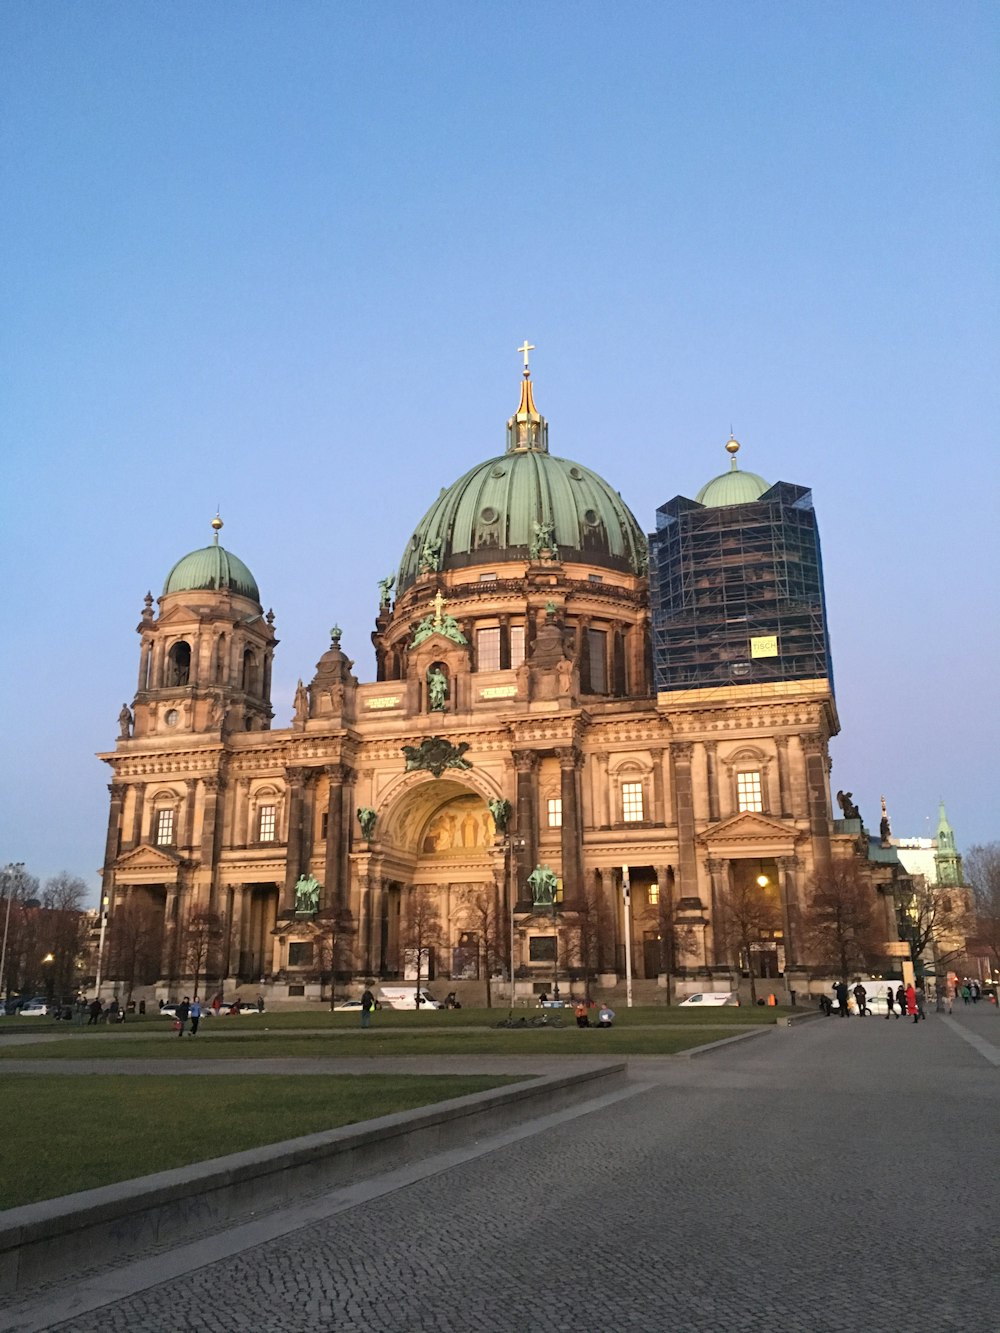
x=367, y=818
x=435, y=754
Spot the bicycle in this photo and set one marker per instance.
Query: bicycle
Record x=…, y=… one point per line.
x=536, y=1021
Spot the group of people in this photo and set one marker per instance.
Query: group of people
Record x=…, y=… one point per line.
x=902, y=1001
x=605, y=1015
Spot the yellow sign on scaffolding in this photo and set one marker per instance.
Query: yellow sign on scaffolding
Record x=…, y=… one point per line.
x=764, y=646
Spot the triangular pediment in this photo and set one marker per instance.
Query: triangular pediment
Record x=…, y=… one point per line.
x=746, y=828
x=148, y=858
x=184, y=614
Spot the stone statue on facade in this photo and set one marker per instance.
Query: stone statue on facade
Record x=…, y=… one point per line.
x=845, y=799
x=366, y=818
x=501, y=811
x=125, y=723
x=306, y=895
x=301, y=703
x=437, y=689
x=543, y=884
x=385, y=587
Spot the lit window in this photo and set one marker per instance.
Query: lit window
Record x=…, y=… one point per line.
x=654, y=895
x=632, y=802
x=597, y=642
x=555, y=813
x=266, y=823
x=516, y=646
x=488, y=649
x=748, y=791
x=164, y=828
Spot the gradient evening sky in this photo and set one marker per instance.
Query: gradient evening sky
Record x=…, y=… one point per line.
x=278, y=256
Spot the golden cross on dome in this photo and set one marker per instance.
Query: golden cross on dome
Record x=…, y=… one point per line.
x=524, y=349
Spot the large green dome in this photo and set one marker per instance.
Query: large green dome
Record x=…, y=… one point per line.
x=733, y=487
x=510, y=506
x=212, y=567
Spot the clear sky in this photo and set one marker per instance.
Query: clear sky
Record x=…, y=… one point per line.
x=278, y=257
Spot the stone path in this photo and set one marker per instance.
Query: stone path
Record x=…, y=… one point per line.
x=833, y=1176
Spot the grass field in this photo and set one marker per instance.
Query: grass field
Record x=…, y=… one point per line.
x=64, y=1135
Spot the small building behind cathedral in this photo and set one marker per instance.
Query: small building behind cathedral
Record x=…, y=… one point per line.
x=578, y=740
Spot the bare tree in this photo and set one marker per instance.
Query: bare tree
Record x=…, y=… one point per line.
x=582, y=935
x=134, y=944
x=748, y=915
x=332, y=943
x=421, y=928
x=18, y=888
x=201, y=946
x=933, y=919
x=481, y=912
x=982, y=871
x=63, y=930
x=840, y=926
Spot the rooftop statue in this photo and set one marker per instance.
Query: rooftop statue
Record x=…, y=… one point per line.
x=543, y=884
x=544, y=540
x=845, y=799
x=430, y=556
x=306, y=895
x=438, y=623
x=124, y=723
x=385, y=587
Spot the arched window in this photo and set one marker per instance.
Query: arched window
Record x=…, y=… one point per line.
x=220, y=660
x=249, y=672
x=179, y=663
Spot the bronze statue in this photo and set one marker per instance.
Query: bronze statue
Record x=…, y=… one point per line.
x=437, y=689
x=385, y=587
x=501, y=811
x=543, y=540
x=366, y=818
x=306, y=894
x=845, y=799
x=435, y=754
x=543, y=884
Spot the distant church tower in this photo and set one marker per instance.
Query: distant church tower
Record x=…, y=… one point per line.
x=947, y=862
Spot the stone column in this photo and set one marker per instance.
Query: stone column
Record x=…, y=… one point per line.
x=213, y=787
x=144, y=656
x=784, y=796
x=659, y=801
x=156, y=682
x=235, y=932
x=687, y=868
x=718, y=870
x=113, y=838
x=526, y=816
x=789, y=903
x=239, y=833
x=814, y=752
x=296, y=778
x=335, y=874
x=139, y=792
x=608, y=898
x=185, y=836
x=665, y=921
x=504, y=643
x=601, y=790
x=711, y=764
x=571, y=834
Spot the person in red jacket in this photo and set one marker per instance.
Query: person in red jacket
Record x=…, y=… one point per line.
x=911, y=1003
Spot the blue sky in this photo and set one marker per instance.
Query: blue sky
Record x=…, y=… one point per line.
x=278, y=256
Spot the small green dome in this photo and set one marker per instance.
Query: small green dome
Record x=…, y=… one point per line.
x=213, y=567
x=733, y=487
x=521, y=502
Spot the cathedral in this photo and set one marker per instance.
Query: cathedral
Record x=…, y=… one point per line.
x=582, y=746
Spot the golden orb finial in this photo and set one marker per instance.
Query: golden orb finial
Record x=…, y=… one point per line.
x=732, y=445
x=217, y=526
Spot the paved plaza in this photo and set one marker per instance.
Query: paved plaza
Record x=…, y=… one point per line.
x=837, y=1175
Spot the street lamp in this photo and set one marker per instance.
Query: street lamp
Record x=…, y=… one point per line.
x=100, y=946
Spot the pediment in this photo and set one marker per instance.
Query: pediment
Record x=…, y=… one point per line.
x=438, y=647
x=146, y=859
x=746, y=828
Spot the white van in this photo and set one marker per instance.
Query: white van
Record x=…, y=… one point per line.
x=405, y=997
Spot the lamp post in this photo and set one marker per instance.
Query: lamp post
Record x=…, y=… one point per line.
x=11, y=873
x=100, y=946
x=627, y=903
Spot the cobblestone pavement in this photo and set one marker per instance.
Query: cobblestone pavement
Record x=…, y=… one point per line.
x=833, y=1176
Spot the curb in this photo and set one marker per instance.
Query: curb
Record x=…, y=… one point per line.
x=43, y=1242
x=711, y=1046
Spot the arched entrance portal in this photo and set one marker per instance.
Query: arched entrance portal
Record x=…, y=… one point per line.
x=433, y=882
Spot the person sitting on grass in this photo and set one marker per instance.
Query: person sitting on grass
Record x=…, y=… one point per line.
x=582, y=1017
x=605, y=1015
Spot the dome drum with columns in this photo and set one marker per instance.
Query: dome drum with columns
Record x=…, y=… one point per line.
x=512, y=744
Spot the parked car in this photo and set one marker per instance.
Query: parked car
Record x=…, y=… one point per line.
x=347, y=1004
x=708, y=998
x=36, y=1008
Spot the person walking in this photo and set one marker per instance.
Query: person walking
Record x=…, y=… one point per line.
x=901, y=998
x=94, y=1009
x=911, y=1003
x=890, y=1002
x=921, y=999
x=367, y=1005
x=861, y=997
x=183, y=1014
x=195, y=1012
x=966, y=993
x=841, y=989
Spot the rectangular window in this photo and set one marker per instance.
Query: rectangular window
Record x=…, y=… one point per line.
x=597, y=653
x=488, y=649
x=595, y=578
x=324, y=824
x=164, y=828
x=654, y=895
x=748, y=791
x=632, y=802
x=488, y=578
x=555, y=813
x=266, y=823
x=542, y=948
x=300, y=955
x=516, y=646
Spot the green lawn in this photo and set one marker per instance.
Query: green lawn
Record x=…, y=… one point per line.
x=377, y=1041
x=62, y=1135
